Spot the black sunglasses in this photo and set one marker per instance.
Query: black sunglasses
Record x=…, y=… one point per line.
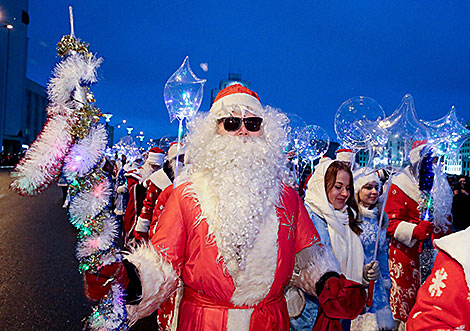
x=231, y=124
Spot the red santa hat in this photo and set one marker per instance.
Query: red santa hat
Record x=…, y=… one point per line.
x=156, y=156
x=173, y=149
x=236, y=95
x=345, y=155
x=416, y=148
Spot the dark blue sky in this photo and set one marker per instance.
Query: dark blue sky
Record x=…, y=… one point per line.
x=305, y=57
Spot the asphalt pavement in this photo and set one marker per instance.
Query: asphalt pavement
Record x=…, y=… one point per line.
x=40, y=286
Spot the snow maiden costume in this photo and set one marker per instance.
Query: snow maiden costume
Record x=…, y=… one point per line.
x=232, y=232
x=335, y=232
x=379, y=315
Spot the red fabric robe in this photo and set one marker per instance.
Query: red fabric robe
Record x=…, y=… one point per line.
x=134, y=206
x=443, y=301
x=206, y=304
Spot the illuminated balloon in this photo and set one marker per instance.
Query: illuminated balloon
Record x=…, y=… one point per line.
x=318, y=142
x=297, y=137
x=402, y=128
x=354, y=121
x=183, y=93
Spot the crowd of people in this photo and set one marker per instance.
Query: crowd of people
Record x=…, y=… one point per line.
x=229, y=244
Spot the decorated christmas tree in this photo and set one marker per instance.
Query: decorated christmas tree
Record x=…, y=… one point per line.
x=73, y=142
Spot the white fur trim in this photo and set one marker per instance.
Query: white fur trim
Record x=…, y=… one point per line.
x=237, y=99
x=156, y=158
x=174, y=149
x=364, y=176
x=408, y=184
x=253, y=284
x=142, y=225
x=415, y=153
x=160, y=179
x=457, y=245
x=364, y=322
x=158, y=278
x=314, y=262
x=404, y=232
x=295, y=300
x=239, y=319
x=385, y=318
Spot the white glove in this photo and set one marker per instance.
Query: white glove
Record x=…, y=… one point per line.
x=121, y=189
x=371, y=271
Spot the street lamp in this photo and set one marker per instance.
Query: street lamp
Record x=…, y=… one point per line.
x=141, y=138
x=9, y=27
x=129, y=130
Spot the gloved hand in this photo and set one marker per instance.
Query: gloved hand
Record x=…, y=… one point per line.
x=141, y=235
x=98, y=285
x=121, y=189
x=423, y=230
x=371, y=271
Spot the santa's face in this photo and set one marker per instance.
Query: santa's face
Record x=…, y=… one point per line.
x=369, y=194
x=255, y=131
x=341, y=190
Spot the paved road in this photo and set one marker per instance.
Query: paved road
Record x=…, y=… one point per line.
x=40, y=287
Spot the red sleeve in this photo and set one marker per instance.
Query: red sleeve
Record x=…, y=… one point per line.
x=443, y=301
x=149, y=202
x=396, y=208
x=158, y=209
x=306, y=233
x=131, y=181
x=170, y=234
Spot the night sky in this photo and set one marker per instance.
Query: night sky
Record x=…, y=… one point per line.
x=305, y=57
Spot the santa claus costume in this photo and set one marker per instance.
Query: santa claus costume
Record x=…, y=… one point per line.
x=231, y=231
x=157, y=182
x=406, y=230
x=136, y=179
x=443, y=301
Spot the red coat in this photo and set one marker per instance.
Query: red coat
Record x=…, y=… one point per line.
x=158, y=209
x=443, y=300
x=208, y=290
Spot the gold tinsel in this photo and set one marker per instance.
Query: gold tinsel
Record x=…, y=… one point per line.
x=69, y=43
x=87, y=115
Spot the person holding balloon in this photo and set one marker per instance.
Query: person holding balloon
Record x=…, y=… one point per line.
x=329, y=199
x=367, y=187
x=409, y=226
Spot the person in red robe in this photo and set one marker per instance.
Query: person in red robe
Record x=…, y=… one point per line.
x=156, y=183
x=407, y=230
x=136, y=186
x=233, y=231
x=443, y=301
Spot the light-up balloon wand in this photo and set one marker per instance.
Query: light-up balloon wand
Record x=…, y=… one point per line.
x=183, y=97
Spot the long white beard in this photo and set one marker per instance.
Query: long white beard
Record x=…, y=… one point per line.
x=242, y=177
x=146, y=171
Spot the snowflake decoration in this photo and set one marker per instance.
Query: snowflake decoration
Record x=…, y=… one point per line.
x=290, y=225
x=435, y=289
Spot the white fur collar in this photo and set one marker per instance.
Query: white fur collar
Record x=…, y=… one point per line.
x=457, y=245
x=160, y=179
x=408, y=184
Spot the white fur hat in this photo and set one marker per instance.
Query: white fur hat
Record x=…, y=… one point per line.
x=345, y=155
x=415, y=153
x=363, y=176
x=155, y=156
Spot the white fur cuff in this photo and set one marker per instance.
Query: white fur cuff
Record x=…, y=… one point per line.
x=313, y=262
x=158, y=278
x=142, y=225
x=404, y=233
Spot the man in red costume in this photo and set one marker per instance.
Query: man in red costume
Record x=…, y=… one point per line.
x=136, y=185
x=407, y=231
x=156, y=183
x=443, y=301
x=233, y=230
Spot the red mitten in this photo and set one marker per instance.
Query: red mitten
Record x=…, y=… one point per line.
x=423, y=230
x=141, y=235
x=98, y=285
x=342, y=298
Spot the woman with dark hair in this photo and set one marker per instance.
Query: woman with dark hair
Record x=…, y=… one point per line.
x=329, y=199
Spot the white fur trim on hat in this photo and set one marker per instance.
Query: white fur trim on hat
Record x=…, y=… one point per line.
x=364, y=176
x=156, y=158
x=173, y=149
x=415, y=153
x=236, y=99
x=345, y=156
